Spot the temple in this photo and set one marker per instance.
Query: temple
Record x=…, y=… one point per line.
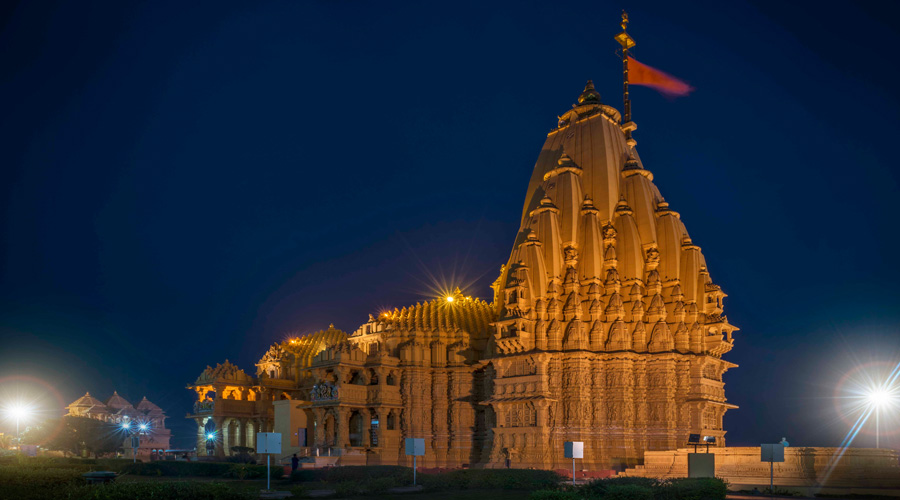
x=154, y=441
x=604, y=326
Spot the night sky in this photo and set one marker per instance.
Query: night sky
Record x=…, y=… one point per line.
x=185, y=182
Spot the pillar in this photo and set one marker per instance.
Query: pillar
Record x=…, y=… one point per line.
x=366, y=415
x=342, y=427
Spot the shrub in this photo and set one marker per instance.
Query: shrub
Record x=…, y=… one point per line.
x=693, y=489
x=508, y=479
x=175, y=490
x=554, y=495
x=353, y=473
x=202, y=469
x=628, y=492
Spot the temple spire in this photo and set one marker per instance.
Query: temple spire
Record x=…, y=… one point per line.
x=626, y=42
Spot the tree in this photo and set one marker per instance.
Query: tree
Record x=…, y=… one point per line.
x=94, y=436
x=76, y=435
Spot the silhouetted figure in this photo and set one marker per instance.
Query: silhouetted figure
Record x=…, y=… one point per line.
x=295, y=462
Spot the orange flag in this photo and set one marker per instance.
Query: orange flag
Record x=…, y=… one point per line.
x=641, y=74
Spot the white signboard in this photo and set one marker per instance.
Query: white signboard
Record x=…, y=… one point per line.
x=268, y=442
x=573, y=449
x=415, y=447
x=771, y=452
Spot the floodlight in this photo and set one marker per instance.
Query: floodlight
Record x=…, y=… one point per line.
x=878, y=397
x=210, y=436
x=143, y=427
x=709, y=439
x=694, y=439
x=449, y=298
x=126, y=426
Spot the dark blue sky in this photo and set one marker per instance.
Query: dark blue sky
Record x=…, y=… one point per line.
x=184, y=182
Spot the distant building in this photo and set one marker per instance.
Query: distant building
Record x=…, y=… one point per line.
x=117, y=410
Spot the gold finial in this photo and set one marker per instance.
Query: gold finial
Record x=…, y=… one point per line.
x=624, y=20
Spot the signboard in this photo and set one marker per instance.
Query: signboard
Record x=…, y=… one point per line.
x=268, y=442
x=771, y=452
x=573, y=449
x=135, y=442
x=415, y=447
x=701, y=465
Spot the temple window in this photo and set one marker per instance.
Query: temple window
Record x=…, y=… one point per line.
x=391, y=379
x=520, y=415
x=391, y=421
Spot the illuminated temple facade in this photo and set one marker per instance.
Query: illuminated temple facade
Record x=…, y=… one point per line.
x=604, y=327
x=117, y=410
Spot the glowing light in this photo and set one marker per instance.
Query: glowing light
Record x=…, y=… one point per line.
x=211, y=436
x=144, y=427
x=878, y=397
x=126, y=426
x=19, y=411
x=450, y=298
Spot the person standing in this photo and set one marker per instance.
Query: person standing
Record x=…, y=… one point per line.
x=294, y=462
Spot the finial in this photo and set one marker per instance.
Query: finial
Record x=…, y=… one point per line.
x=589, y=95
x=624, y=20
x=563, y=159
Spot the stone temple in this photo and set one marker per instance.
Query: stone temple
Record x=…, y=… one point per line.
x=604, y=327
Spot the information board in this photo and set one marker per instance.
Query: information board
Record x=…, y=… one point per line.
x=573, y=449
x=268, y=442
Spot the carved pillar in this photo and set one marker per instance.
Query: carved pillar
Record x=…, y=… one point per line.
x=366, y=415
x=342, y=424
x=319, y=428
x=242, y=429
x=201, y=435
x=382, y=424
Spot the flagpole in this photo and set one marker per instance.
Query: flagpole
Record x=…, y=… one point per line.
x=626, y=42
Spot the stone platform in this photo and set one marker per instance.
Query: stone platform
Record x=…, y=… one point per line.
x=806, y=470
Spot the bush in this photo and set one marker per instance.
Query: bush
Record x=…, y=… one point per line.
x=597, y=488
x=554, y=495
x=693, y=489
x=507, y=479
x=176, y=490
x=171, y=468
x=202, y=469
x=628, y=492
x=352, y=473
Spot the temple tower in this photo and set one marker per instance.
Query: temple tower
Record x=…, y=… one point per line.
x=610, y=330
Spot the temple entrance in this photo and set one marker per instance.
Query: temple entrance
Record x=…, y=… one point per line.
x=356, y=429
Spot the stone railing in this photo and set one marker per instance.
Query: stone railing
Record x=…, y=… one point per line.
x=204, y=407
x=383, y=394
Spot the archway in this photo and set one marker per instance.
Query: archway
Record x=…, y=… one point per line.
x=356, y=429
x=210, y=435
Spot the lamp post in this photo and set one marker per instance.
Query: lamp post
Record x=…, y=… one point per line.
x=135, y=433
x=878, y=398
x=19, y=412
